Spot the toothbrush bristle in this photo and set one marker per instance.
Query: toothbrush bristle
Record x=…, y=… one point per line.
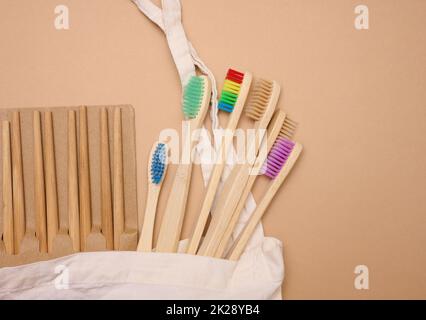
x=277, y=157
x=193, y=96
x=258, y=99
x=230, y=91
x=158, y=163
x=288, y=129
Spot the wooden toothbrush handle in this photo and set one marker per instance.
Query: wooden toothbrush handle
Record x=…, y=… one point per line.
x=264, y=203
x=209, y=197
x=220, y=250
x=219, y=207
x=171, y=224
x=145, y=240
x=7, y=191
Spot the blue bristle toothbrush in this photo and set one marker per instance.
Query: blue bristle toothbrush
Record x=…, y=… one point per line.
x=156, y=174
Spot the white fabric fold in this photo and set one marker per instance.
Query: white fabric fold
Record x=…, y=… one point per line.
x=136, y=275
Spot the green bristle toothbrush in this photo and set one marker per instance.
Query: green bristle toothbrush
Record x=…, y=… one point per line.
x=196, y=99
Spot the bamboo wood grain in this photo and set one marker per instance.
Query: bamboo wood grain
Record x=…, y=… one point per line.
x=257, y=215
x=106, y=195
x=8, y=229
x=39, y=188
x=18, y=183
x=272, y=134
x=172, y=221
x=146, y=238
x=219, y=166
x=227, y=202
x=118, y=184
x=84, y=181
x=73, y=210
x=50, y=181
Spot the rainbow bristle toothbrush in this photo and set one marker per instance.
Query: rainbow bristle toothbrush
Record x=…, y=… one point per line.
x=233, y=98
x=281, y=126
x=278, y=165
x=157, y=171
x=196, y=99
x=260, y=107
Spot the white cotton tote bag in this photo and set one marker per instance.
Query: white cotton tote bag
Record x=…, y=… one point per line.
x=134, y=275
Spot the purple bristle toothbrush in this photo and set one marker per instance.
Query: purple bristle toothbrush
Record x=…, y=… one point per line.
x=277, y=166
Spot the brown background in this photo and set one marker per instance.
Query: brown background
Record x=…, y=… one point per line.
x=357, y=195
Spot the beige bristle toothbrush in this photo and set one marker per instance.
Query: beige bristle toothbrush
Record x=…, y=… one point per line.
x=157, y=171
x=196, y=99
x=233, y=98
x=261, y=103
x=278, y=165
x=281, y=126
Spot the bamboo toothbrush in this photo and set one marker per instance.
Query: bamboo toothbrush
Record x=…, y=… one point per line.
x=7, y=191
x=18, y=182
x=157, y=172
x=73, y=211
x=196, y=98
x=50, y=181
x=233, y=98
x=281, y=126
x=260, y=107
x=106, y=193
x=279, y=163
x=39, y=188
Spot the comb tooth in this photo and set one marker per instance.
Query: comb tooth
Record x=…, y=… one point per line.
x=258, y=99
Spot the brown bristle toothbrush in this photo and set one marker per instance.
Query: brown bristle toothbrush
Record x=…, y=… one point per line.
x=260, y=107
